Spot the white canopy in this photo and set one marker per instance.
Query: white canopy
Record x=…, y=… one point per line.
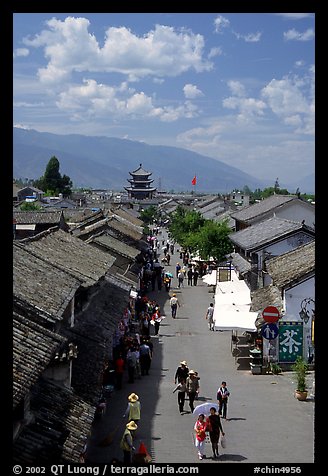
x=232, y=303
x=235, y=320
x=210, y=278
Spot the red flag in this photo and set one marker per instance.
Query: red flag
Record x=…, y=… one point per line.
x=193, y=182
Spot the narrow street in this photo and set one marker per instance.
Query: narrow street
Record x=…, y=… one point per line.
x=266, y=424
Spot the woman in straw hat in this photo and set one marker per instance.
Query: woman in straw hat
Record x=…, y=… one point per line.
x=133, y=408
x=126, y=443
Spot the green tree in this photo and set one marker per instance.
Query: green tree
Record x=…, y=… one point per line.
x=211, y=240
x=52, y=179
x=148, y=215
x=184, y=223
x=29, y=207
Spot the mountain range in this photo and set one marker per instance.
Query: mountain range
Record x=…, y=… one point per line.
x=105, y=162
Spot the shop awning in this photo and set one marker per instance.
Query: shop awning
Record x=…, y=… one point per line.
x=235, y=320
x=210, y=278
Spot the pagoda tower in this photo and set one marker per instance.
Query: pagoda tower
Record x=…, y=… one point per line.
x=140, y=184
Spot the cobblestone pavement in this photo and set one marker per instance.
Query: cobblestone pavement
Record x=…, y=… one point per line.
x=266, y=423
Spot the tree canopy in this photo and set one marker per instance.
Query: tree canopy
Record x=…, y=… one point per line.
x=52, y=181
x=205, y=237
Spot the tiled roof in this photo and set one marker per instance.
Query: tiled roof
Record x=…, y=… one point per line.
x=266, y=205
x=81, y=260
x=40, y=283
x=266, y=296
x=122, y=212
x=124, y=229
x=38, y=217
x=62, y=422
x=112, y=244
x=93, y=332
x=266, y=232
x=33, y=349
x=240, y=263
x=292, y=266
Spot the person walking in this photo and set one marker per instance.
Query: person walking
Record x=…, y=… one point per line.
x=181, y=388
x=180, y=278
x=145, y=358
x=214, y=428
x=133, y=409
x=192, y=384
x=195, y=277
x=177, y=269
x=209, y=315
x=119, y=371
x=157, y=319
x=181, y=372
x=200, y=430
x=190, y=275
x=126, y=443
x=222, y=397
x=174, y=303
x=131, y=360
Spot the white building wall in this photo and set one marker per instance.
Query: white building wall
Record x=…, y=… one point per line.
x=281, y=247
x=293, y=298
x=297, y=211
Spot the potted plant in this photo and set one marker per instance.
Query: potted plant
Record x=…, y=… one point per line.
x=300, y=367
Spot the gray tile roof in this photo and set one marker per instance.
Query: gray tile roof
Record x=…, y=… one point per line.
x=122, y=212
x=266, y=296
x=60, y=428
x=264, y=206
x=61, y=249
x=240, y=263
x=112, y=244
x=266, y=231
x=31, y=217
x=33, y=349
x=124, y=229
x=40, y=283
x=292, y=266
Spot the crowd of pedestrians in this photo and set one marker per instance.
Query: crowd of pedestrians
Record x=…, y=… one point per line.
x=133, y=348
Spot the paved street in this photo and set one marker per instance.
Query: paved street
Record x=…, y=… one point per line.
x=266, y=424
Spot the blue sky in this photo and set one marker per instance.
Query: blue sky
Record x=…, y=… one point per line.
x=238, y=87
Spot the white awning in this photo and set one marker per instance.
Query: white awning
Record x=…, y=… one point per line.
x=210, y=278
x=235, y=320
x=232, y=303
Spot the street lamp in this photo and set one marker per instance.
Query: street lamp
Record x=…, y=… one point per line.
x=305, y=312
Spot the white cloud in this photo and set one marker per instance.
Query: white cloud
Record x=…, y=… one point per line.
x=250, y=37
x=246, y=107
x=237, y=88
x=161, y=52
x=191, y=91
x=220, y=23
x=287, y=100
x=94, y=100
x=295, y=16
x=258, y=149
x=298, y=36
x=21, y=52
x=22, y=126
x=216, y=51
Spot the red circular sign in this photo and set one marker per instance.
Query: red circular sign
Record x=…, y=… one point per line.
x=271, y=314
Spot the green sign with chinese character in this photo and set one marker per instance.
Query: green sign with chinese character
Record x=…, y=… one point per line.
x=290, y=341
